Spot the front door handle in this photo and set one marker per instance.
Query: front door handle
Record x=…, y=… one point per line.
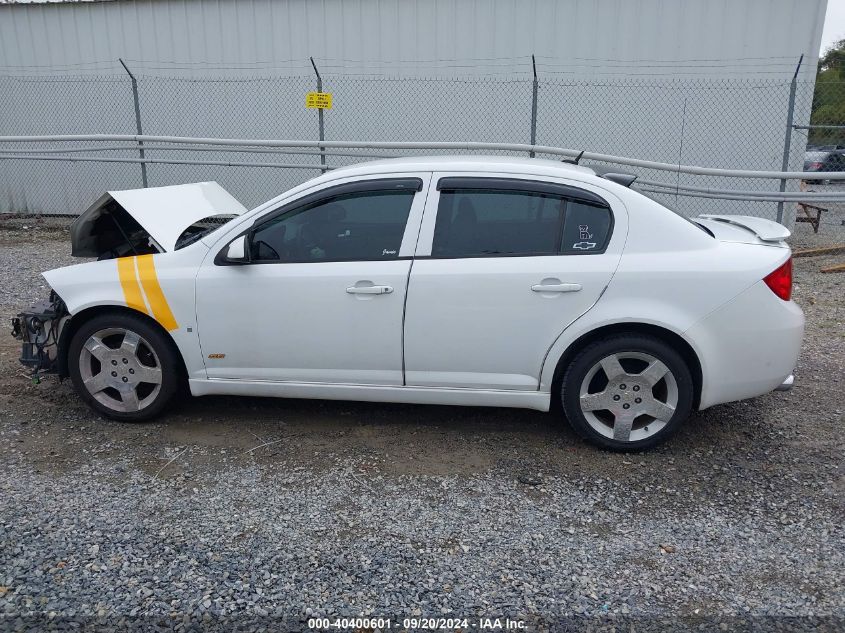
x=369, y=290
x=556, y=287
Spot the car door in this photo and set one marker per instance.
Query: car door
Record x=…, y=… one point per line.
x=321, y=299
x=504, y=264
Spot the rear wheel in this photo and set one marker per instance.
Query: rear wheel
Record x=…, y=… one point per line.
x=123, y=367
x=628, y=392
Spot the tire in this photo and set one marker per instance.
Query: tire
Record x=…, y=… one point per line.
x=647, y=375
x=113, y=356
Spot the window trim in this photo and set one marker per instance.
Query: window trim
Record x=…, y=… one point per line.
x=499, y=183
x=569, y=193
x=412, y=184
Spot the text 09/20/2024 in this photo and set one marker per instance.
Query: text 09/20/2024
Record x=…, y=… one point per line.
x=420, y=623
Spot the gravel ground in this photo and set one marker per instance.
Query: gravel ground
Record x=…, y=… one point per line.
x=250, y=513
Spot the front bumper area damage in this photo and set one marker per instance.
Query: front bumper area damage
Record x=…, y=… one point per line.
x=39, y=328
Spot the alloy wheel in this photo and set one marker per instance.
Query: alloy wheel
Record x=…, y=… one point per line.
x=628, y=396
x=120, y=369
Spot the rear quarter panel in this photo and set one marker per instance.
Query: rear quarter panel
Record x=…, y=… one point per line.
x=671, y=274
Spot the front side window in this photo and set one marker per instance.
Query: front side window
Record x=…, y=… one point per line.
x=478, y=222
x=366, y=225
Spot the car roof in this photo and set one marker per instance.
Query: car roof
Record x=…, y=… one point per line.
x=515, y=164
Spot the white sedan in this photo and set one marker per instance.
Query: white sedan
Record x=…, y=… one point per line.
x=482, y=281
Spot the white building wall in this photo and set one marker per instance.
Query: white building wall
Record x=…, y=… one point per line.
x=701, y=82
x=716, y=38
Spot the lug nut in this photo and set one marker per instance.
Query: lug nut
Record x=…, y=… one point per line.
x=616, y=397
x=114, y=362
x=125, y=361
x=114, y=373
x=636, y=387
x=623, y=386
x=637, y=400
x=624, y=406
x=131, y=371
x=125, y=379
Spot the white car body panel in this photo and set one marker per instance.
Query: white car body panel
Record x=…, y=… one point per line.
x=297, y=322
x=94, y=284
x=748, y=346
x=476, y=323
x=301, y=324
x=536, y=400
x=471, y=331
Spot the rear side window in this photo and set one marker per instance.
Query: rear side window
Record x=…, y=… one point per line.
x=475, y=222
x=585, y=229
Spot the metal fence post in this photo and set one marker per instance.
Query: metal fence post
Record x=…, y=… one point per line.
x=533, y=107
x=323, y=167
x=137, y=121
x=787, y=139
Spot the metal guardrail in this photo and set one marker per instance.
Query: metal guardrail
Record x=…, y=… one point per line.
x=439, y=145
x=731, y=194
x=325, y=148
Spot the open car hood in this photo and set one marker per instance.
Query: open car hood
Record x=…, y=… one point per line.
x=151, y=220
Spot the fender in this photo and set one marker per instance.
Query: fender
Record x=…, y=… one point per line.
x=160, y=286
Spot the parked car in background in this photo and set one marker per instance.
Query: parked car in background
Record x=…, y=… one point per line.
x=483, y=281
x=822, y=161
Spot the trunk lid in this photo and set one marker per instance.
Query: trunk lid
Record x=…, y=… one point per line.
x=744, y=229
x=152, y=220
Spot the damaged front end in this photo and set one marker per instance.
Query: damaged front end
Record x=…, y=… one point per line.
x=39, y=327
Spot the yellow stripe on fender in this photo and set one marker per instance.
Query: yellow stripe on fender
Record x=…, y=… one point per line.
x=129, y=282
x=155, y=296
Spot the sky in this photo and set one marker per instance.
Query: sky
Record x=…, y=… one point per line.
x=834, y=23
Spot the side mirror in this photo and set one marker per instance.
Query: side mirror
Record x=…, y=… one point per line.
x=236, y=251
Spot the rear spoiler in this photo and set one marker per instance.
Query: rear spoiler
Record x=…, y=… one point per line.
x=766, y=230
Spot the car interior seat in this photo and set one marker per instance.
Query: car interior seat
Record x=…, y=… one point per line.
x=463, y=231
x=319, y=235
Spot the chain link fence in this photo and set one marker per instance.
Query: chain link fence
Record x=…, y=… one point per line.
x=728, y=123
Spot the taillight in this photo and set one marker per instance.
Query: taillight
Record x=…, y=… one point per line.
x=815, y=165
x=780, y=280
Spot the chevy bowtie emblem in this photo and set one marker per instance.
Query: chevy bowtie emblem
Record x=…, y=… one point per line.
x=217, y=355
x=584, y=246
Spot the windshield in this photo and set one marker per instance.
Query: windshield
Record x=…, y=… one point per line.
x=201, y=228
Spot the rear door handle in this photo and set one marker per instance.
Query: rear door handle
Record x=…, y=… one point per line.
x=556, y=287
x=369, y=290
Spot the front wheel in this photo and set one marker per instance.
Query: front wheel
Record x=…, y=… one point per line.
x=627, y=392
x=123, y=367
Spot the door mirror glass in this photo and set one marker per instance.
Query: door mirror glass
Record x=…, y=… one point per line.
x=236, y=251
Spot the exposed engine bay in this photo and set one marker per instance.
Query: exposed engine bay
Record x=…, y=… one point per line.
x=152, y=220
x=115, y=233
x=123, y=224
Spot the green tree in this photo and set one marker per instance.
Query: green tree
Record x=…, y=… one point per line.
x=829, y=96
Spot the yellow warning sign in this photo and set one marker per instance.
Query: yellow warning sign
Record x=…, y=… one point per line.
x=321, y=100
